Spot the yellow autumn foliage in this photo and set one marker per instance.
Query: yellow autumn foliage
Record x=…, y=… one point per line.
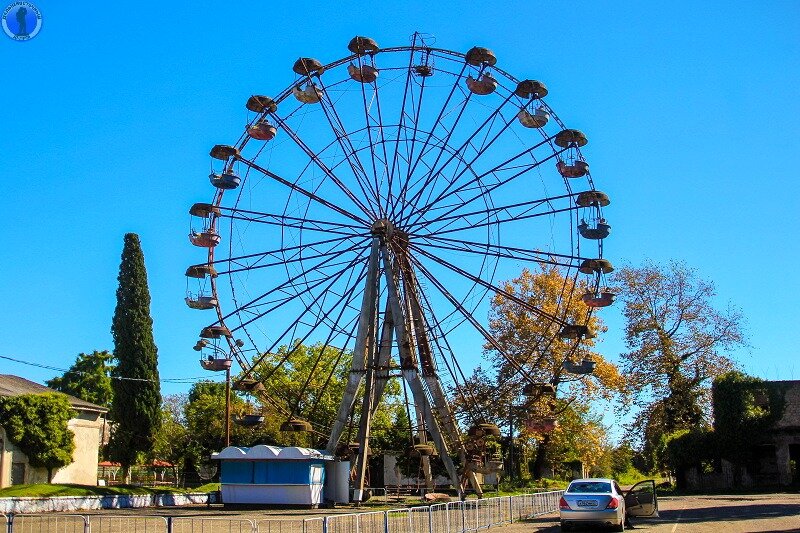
x=531, y=341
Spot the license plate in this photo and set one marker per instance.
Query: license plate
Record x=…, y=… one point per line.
x=587, y=503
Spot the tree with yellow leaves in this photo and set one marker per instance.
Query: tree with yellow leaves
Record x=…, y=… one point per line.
x=529, y=350
x=679, y=342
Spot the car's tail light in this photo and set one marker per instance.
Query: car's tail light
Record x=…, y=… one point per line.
x=562, y=503
x=613, y=504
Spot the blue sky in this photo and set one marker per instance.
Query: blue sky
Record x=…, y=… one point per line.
x=109, y=113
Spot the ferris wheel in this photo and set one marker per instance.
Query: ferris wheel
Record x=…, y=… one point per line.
x=371, y=206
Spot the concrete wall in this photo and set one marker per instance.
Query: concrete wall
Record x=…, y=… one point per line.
x=791, y=414
x=5, y=460
x=392, y=475
x=87, y=428
x=787, y=432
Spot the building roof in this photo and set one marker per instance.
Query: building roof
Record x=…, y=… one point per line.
x=15, y=386
x=262, y=452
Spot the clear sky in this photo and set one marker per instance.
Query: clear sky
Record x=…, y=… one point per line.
x=691, y=110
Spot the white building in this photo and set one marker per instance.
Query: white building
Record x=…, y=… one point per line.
x=87, y=426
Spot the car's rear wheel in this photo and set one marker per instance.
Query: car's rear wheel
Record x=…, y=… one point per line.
x=565, y=526
x=620, y=526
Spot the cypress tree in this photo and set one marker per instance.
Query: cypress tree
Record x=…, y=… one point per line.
x=136, y=406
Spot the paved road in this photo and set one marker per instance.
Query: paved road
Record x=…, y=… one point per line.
x=703, y=514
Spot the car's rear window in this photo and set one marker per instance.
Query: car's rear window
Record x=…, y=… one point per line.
x=596, y=487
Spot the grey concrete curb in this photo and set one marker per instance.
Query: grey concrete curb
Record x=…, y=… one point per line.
x=83, y=503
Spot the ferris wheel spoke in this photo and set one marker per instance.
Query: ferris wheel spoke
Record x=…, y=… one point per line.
x=504, y=252
x=368, y=123
x=457, y=172
x=289, y=335
x=283, y=261
x=385, y=160
x=301, y=190
x=433, y=177
x=288, y=221
x=487, y=285
x=320, y=319
x=489, y=212
x=309, y=287
x=286, y=296
x=433, y=324
x=478, y=177
x=442, y=145
x=488, y=189
x=280, y=254
x=488, y=221
x=350, y=296
x=400, y=129
x=335, y=365
x=328, y=172
x=412, y=185
x=311, y=225
x=277, y=253
x=417, y=110
x=351, y=154
x=510, y=249
x=412, y=167
x=465, y=313
x=290, y=282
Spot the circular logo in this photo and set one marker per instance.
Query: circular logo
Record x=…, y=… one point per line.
x=22, y=21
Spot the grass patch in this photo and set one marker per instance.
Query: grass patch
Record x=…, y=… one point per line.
x=544, y=484
x=208, y=487
x=633, y=476
x=45, y=490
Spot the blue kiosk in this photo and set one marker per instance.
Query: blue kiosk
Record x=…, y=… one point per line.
x=270, y=475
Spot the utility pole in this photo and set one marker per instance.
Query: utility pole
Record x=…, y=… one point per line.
x=228, y=407
x=511, y=442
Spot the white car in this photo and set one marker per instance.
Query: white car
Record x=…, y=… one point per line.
x=602, y=502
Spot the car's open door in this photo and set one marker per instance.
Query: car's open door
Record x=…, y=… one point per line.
x=641, y=499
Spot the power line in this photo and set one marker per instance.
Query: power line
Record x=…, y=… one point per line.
x=64, y=371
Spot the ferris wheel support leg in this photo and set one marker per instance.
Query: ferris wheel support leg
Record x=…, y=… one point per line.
x=408, y=364
x=363, y=346
x=449, y=424
x=417, y=340
x=418, y=392
x=384, y=354
x=363, y=428
x=432, y=382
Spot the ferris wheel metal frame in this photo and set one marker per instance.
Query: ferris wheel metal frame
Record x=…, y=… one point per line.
x=361, y=221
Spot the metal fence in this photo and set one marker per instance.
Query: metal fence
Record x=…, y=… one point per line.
x=454, y=517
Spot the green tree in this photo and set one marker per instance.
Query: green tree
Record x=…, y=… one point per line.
x=204, y=414
x=136, y=408
x=621, y=459
x=37, y=424
x=172, y=438
x=579, y=437
x=89, y=378
x=308, y=381
x=677, y=339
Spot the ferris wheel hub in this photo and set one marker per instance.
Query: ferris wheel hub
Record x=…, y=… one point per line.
x=382, y=228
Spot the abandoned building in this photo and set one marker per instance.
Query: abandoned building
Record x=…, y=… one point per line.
x=86, y=425
x=774, y=461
